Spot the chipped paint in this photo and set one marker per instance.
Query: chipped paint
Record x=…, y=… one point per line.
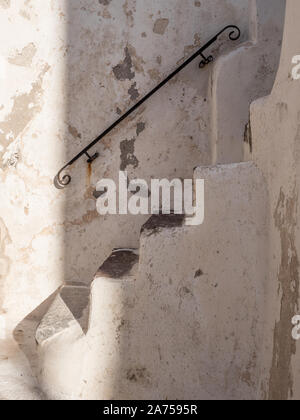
x=103, y=55
x=281, y=377
x=133, y=92
x=74, y=132
x=140, y=128
x=160, y=26
x=129, y=8
x=123, y=71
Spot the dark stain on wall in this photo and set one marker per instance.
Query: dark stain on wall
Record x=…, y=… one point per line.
x=248, y=136
x=123, y=71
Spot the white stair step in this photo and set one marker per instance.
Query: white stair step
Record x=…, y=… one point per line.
x=122, y=264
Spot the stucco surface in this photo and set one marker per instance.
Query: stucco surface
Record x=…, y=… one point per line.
x=219, y=297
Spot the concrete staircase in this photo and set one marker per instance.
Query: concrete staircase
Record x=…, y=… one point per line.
x=180, y=318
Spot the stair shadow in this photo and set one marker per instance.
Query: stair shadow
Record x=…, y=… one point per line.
x=25, y=331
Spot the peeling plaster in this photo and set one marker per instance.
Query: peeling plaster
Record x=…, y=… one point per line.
x=123, y=71
x=284, y=347
x=133, y=92
x=5, y=4
x=104, y=2
x=160, y=26
x=128, y=10
x=25, y=107
x=127, y=154
x=154, y=75
x=74, y=132
x=23, y=58
x=248, y=136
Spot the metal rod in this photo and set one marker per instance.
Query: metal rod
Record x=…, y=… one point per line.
x=61, y=181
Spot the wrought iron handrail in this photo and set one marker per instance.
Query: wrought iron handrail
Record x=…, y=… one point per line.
x=62, y=180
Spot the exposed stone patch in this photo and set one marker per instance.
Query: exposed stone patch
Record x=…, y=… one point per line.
x=5, y=4
x=127, y=154
x=284, y=346
x=133, y=92
x=123, y=71
x=160, y=26
x=23, y=58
